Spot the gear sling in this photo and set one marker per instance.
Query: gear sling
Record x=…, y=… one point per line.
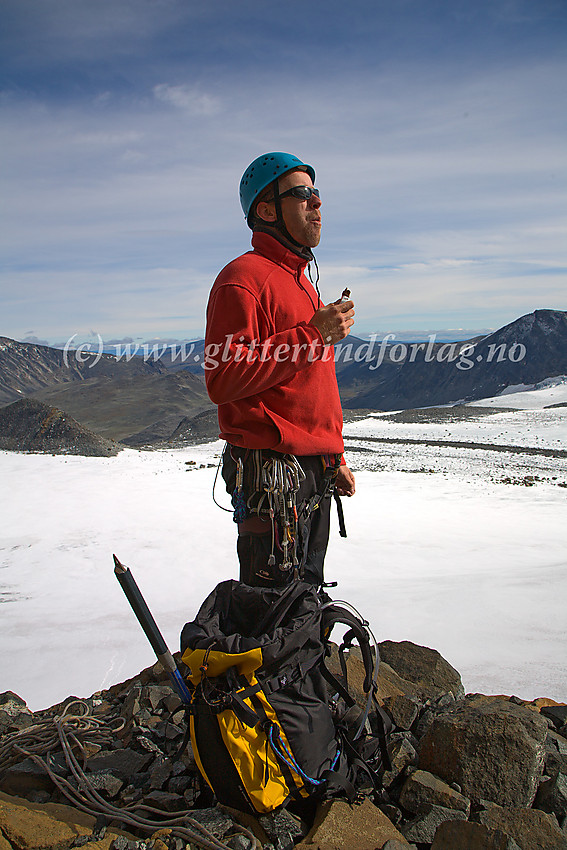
x=281, y=505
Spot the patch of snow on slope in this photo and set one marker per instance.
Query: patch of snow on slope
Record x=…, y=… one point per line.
x=549, y=391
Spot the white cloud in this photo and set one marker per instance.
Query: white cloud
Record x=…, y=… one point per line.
x=188, y=98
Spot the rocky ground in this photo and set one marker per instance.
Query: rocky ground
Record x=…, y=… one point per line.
x=468, y=772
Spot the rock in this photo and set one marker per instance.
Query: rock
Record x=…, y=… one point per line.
x=131, y=705
x=172, y=703
x=123, y=763
x=215, y=820
x=165, y=730
x=282, y=828
x=529, y=828
x=388, y=683
x=423, y=827
x=556, y=713
x=38, y=796
x=19, y=721
x=402, y=755
x=12, y=704
x=392, y=812
x=106, y=783
x=27, y=776
x=552, y=796
x=557, y=741
x=28, y=826
x=164, y=800
x=463, y=835
x=425, y=720
x=554, y=762
x=394, y=844
x=239, y=842
x=179, y=784
x=29, y=425
x=423, y=788
x=160, y=773
x=149, y=745
x=339, y=825
x=492, y=748
x=155, y=695
x=402, y=710
x=422, y=666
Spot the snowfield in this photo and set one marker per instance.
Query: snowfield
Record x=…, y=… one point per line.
x=460, y=549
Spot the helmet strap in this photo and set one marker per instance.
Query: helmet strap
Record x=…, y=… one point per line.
x=280, y=231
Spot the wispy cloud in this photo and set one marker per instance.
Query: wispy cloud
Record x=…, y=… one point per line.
x=440, y=161
x=187, y=97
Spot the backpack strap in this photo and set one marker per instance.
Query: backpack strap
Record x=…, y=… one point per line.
x=334, y=614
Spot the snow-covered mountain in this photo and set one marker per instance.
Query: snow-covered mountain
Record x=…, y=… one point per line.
x=403, y=376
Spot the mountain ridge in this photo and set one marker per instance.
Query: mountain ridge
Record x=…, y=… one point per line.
x=526, y=351
x=145, y=402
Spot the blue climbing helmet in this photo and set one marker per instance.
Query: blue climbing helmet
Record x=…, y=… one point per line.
x=263, y=171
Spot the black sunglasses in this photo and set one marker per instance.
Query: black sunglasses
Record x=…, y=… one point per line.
x=302, y=193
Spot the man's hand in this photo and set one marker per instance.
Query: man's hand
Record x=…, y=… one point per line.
x=334, y=321
x=344, y=482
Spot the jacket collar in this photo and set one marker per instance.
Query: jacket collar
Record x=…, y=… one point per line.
x=270, y=246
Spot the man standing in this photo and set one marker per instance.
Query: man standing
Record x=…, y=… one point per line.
x=270, y=369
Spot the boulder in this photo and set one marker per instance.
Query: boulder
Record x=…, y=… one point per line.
x=282, y=829
x=463, y=835
x=425, y=668
x=422, y=788
x=552, y=796
x=215, y=820
x=423, y=827
x=123, y=763
x=529, y=828
x=493, y=749
x=12, y=704
x=556, y=713
x=28, y=826
x=339, y=825
x=402, y=755
x=402, y=709
x=23, y=778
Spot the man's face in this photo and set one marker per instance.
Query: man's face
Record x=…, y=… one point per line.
x=302, y=218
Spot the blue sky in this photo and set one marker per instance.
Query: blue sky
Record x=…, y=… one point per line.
x=437, y=130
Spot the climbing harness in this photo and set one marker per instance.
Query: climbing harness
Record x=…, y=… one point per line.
x=265, y=485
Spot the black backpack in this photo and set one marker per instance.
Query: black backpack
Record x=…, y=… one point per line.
x=269, y=723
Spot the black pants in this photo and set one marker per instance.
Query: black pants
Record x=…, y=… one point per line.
x=255, y=542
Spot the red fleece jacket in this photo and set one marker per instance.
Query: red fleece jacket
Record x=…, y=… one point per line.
x=266, y=367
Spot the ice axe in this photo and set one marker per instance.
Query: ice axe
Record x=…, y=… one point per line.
x=151, y=630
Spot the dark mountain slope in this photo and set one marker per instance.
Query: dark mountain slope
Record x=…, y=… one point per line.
x=31, y=426
x=26, y=368
x=115, y=398
x=122, y=408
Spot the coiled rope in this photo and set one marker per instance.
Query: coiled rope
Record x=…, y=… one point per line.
x=73, y=733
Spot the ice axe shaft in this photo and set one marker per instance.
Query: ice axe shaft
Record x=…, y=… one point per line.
x=150, y=627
